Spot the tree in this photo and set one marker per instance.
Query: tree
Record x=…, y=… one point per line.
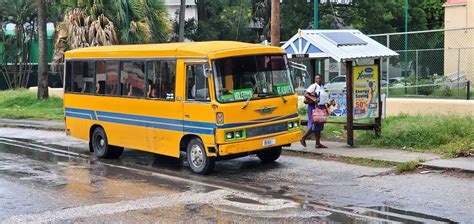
x=182, y=9
x=43, y=52
x=275, y=23
x=16, y=66
x=79, y=30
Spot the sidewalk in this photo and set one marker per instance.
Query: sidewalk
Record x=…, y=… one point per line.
x=335, y=149
x=342, y=150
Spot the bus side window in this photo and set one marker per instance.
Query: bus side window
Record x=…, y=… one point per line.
x=100, y=78
x=68, y=77
x=112, y=77
x=161, y=79
x=88, y=80
x=196, y=83
x=132, y=79
x=77, y=76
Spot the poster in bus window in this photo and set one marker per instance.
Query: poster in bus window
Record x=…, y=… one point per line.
x=366, y=95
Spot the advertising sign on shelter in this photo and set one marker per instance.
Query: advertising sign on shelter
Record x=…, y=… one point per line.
x=366, y=95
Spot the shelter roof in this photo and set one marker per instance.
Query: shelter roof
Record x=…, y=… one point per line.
x=341, y=45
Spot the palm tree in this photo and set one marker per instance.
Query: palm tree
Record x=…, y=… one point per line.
x=43, y=52
x=79, y=30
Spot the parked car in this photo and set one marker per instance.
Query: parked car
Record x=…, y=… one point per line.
x=338, y=83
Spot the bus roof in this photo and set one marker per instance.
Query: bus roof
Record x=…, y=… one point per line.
x=209, y=49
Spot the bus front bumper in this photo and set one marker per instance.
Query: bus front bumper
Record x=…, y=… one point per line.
x=248, y=146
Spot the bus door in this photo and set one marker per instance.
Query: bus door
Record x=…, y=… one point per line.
x=198, y=118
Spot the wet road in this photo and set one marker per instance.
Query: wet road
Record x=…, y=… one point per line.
x=48, y=177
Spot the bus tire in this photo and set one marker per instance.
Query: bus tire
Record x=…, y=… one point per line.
x=269, y=155
x=197, y=157
x=101, y=147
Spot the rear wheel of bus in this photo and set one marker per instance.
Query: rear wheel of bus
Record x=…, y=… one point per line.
x=101, y=147
x=197, y=157
x=269, y=155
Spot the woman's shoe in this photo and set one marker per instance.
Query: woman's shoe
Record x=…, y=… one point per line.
x=321, y=146
x=303, y=142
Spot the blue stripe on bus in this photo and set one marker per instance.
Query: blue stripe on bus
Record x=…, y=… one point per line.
x=140, y=118
x=82, y=116
x=81, y=111
x=199, y=131
x=265, y=119
x=141, y=124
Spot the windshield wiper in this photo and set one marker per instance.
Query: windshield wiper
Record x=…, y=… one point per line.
x=250, y=97
x=282, y=97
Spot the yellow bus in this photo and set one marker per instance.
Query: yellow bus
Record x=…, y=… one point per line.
x=212, y=100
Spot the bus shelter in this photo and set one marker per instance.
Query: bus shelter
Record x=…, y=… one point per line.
x=361, y=56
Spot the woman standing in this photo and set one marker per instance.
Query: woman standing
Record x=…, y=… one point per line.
x=316, y=95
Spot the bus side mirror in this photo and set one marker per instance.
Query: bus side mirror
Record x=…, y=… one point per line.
x=207, y=70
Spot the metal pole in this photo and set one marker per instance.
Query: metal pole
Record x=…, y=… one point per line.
x=459, y=67
x=406, y=37
x=350, y=104
x=416, y=72
x=316, y=13
x=388, y=65
x=378, y=120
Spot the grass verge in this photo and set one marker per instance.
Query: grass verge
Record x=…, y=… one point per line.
x=22, y=104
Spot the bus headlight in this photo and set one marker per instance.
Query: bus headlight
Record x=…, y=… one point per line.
x=220, y=117
x=293, y=125
x=229, y=135
x=238, y=134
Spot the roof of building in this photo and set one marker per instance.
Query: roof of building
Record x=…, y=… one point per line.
x=183, y=49
x=341, y=45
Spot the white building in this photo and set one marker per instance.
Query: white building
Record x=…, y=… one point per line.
x=173, y=5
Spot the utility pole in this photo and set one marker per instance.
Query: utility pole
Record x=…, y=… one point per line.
x=182, y=9
x=43, y=52
x=275, y=23
x=316, y=14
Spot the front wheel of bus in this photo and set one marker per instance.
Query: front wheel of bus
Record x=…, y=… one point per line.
x=197, y=157
x=101, y=147
x=269, y=155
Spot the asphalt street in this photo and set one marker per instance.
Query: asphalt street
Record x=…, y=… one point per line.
x=48, y=177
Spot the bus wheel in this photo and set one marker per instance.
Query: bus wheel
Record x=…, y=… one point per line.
x=101, y=147
x=197, y=157
x=269, y=155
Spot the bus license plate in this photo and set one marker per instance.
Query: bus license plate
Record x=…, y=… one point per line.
x=268, y=142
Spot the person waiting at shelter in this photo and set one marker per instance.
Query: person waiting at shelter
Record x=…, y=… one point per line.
x=315, y=97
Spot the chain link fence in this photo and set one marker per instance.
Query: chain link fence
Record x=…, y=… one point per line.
x=433, y=63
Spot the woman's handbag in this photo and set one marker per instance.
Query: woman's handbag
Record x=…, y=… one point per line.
x=319, y=115
x=308, y=100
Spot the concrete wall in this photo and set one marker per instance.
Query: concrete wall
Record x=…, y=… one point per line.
x=396, y=106
x=459, y=14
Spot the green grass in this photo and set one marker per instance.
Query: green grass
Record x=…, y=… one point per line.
x=449, y=136
x=22, y=104
x=369, y=162
x=408, y=166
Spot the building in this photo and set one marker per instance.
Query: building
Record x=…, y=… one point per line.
x=172, y=6
x=459, y=43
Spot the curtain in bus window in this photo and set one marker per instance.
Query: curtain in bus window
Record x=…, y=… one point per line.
x=196, y=86
x=111, y=77
x=161, y=80
x=132, y=79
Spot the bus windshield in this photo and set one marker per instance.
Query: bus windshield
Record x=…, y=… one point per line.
x=254, y=77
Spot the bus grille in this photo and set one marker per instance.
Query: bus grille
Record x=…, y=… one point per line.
x=267, y=129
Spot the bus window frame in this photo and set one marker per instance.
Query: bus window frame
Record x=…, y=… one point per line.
x=120, y=60
x=208, y=79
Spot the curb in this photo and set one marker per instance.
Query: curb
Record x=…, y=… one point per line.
x=333, y=156
x=35, y=127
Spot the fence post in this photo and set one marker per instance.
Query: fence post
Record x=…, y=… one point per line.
x=468, y=88
x=416, y=72
x=459, y=71
x=388, y=66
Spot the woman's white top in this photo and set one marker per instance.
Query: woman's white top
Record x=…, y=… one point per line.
x=323, y=96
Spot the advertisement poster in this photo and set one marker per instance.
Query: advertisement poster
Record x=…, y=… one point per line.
x=339, y=106
x=366, y=95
